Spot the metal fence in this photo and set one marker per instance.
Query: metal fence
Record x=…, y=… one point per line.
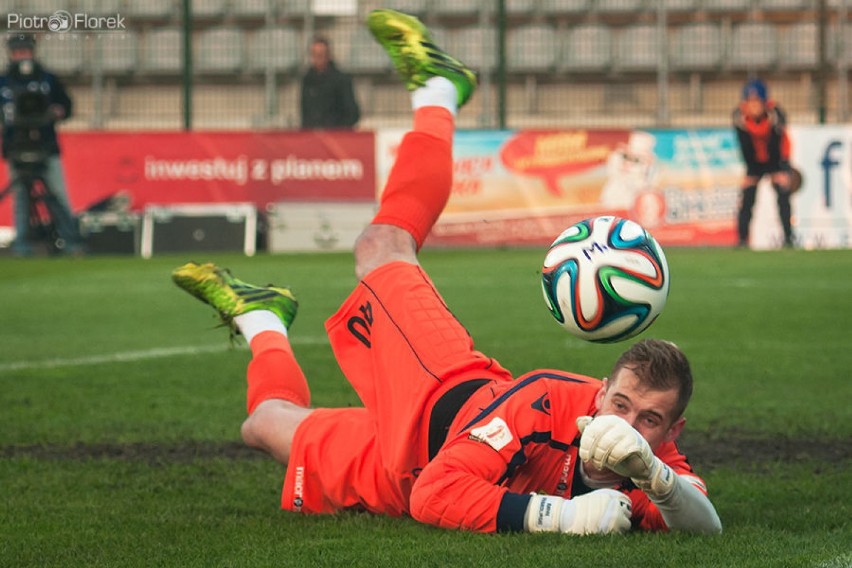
x=225, y=64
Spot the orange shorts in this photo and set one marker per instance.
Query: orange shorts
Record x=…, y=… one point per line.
x=401, y=349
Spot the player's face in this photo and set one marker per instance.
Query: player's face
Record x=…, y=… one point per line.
x=319, y=56
x=755, y=106
x=650, y=412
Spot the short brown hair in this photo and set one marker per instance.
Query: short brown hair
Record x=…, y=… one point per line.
x=659, y=365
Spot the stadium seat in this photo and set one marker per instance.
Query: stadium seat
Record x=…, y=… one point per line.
x=253, y=9
x=637, y=48
x=365, y=54
x=415, y=7
x=555, y=7
x=753, y=46
x=696, y=47
x=154, y=9
x=63, y=54
x=42, y=7
x=834, y=47
x=800, y=49
x=296, y=8
x=163, y=52
x=457, y=7
x=219, y=50
x=617, y=6
x=209, y=9
x=101, y=7
x=588, y=48
x=475, y=46
x=520, y=7
x=725, y=5
x=782, y=5
x=119, y=52
x=532, y=48
x=681, y=5
x=276, y=48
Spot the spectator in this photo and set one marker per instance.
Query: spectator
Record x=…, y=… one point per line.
x=328, y=99
x=761, y=128
x=33, y=100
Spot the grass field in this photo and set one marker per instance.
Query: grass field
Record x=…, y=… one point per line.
x=121, y=406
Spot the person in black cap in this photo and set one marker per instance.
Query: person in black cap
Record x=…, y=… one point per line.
x=761, y=128
x=32, y=101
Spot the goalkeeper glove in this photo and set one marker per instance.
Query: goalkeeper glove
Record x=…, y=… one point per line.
x=603, y=511
x=610, y=442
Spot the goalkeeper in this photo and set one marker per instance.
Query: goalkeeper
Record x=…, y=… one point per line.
x=446, y=434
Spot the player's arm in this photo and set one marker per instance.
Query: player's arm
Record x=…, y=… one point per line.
x=459, y=489
x=745, y=142
x=610, y=442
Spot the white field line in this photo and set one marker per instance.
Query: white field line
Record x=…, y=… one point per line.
x=134, y=356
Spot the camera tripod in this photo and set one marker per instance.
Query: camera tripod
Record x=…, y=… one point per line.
x=45, y=211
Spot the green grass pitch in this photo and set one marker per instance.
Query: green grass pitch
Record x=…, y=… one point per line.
x=120, y=407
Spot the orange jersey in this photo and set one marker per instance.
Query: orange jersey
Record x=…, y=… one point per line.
x=446, y=435
x=764, y=140
x=511, y=440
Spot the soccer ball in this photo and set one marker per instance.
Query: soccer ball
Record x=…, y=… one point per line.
x=605, y=279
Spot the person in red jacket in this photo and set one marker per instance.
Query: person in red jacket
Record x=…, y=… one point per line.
x=761, y=128
x=446, y=434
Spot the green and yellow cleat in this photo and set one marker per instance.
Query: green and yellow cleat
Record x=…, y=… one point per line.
x=230, y=296
x=415, y=56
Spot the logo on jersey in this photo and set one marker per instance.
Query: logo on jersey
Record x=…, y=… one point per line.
x=564, y=476
x=359, y=326
x=496, y=434
x=542, y=404
x=299, y=489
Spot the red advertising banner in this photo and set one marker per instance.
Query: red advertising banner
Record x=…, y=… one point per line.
x=211, y=167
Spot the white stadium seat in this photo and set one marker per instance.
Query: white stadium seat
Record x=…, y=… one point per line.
x=531, y=48
x=753, y=46
x=637, y=48
x=276, y=48
x=588, y=47
x=697, y=47
x=162, y=51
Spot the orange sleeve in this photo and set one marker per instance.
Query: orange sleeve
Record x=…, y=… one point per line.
x=457, y=489
x=464, y=487
x=507, y=443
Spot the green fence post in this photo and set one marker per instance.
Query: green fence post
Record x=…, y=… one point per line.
x=501, y=64
x=187, y=65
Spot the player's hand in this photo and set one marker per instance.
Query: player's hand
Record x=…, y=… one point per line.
x=609, y=442
x=604, y=511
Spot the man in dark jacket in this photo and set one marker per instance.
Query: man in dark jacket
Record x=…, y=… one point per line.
x=33, y=100
x=328, y=99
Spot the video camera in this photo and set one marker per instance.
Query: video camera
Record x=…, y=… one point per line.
x=28, y=150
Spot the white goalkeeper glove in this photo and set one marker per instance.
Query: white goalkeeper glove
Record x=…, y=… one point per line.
x=603, y=511
x=609, y=442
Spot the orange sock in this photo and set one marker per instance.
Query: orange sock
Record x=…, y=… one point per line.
x=435, y=120
x=273, y=372
x=421, y=179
